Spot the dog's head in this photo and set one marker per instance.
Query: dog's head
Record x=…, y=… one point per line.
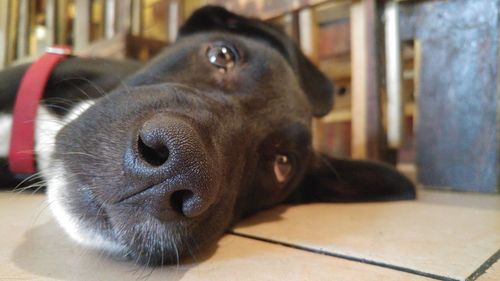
x=215, y=128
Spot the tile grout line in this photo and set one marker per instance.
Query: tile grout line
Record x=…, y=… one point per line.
x=485, y=266
x=346, y=257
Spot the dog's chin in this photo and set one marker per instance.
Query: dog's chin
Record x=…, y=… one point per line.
x=149, y=241
x=121, y=232
x=79, y=227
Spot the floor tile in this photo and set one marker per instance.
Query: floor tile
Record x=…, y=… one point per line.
x=34, y=248
x=492, y=273
x=445, y=234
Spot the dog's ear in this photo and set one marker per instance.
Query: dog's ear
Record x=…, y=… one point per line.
x=318, y=88
x=338, y=180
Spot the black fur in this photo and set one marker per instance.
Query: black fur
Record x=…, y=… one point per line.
x=316, y=85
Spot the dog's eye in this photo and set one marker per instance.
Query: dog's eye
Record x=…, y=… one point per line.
x=222, y=55
x=282, y=168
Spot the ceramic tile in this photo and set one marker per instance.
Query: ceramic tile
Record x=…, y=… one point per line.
x=444, y=234
x=492, y=273
x=34, y=248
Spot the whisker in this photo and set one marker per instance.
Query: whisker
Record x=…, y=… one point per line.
x=39, y=213
x=32, y=177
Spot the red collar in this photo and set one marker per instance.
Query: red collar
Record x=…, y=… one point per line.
x=29, y=94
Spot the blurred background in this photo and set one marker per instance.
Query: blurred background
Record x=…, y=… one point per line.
x=416, y=81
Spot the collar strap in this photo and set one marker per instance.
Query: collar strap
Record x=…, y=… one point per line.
x=30, y=92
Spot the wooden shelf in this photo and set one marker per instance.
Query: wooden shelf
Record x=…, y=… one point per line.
x=336, y=68
x=337, y=116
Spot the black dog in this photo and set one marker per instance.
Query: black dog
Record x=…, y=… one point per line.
x=215, y=128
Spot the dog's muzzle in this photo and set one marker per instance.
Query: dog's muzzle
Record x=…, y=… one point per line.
x=168, y=169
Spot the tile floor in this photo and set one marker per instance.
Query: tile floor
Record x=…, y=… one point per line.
x=443, y=236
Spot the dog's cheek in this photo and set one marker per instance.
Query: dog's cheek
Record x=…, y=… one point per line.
x=59, y=181
x=61, y=201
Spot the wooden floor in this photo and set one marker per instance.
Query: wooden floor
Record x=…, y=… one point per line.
x=441, y=236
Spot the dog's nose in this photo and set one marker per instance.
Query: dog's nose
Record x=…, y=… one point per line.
x=152, y=145
x=168, y=156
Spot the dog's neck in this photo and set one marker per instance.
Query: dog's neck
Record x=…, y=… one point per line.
x=47, y=126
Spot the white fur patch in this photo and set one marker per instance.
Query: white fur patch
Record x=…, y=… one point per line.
x=5, y=127
x=47, y=127
x=78, y=110
x=57, y=184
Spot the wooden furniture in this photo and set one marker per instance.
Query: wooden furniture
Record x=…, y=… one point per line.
x=457, y=135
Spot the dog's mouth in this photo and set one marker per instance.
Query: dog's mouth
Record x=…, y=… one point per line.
x=141, y=227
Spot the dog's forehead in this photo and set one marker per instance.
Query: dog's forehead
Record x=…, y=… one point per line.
x=187, y=62
x=248, y=44
x=262, y=86
x=214, y=18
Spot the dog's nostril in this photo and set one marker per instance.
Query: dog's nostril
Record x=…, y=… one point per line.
x=179, y=198
x=155, y=156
